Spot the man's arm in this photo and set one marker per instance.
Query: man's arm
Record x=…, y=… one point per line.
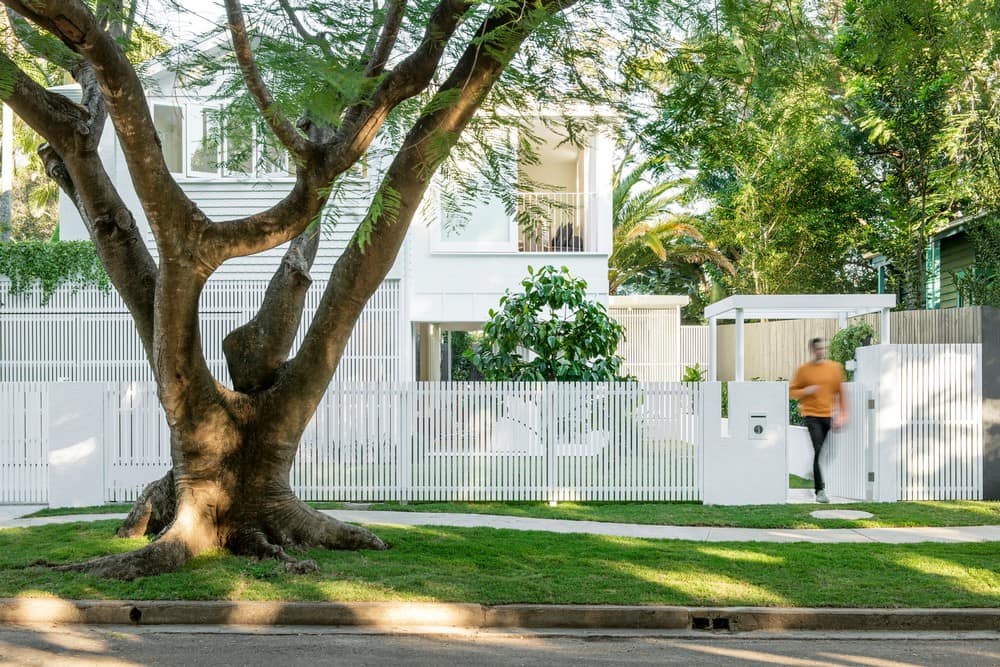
x=843, y=411
x=797, y=388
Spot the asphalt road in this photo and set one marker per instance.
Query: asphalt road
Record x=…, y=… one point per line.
x=201, y=647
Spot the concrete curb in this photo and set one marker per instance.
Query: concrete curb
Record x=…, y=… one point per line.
x=406, y=615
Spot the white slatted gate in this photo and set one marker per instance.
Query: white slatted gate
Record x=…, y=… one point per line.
x=844, y=460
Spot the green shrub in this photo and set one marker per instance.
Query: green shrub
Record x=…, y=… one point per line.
x=552, y=331
x=846, y=342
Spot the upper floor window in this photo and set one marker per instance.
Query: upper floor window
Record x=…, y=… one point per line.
x=201, y=142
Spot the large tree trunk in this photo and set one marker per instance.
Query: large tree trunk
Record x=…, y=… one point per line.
x=234, y=495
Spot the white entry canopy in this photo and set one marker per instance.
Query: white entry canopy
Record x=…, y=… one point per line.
x=790, y=307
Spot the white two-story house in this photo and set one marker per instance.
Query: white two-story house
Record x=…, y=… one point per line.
x=447, y=275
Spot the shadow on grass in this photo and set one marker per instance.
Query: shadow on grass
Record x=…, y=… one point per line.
x=503, y=566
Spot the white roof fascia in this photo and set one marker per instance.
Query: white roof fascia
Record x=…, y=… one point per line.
x=799, y=306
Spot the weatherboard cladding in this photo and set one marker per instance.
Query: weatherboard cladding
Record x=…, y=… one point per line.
x=225, y=200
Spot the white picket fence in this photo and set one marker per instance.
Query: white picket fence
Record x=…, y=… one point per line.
x=422, y=441
x=87, y=335
x=24, y=423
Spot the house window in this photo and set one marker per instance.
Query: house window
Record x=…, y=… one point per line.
x=932, y=276
x=240, y=140
x=169, y=124
x=217, y=146
x=203, y=145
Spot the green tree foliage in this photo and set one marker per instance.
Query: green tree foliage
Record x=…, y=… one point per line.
x=747, y=101
x=651, y=243
x=550, y=332
x=922, y=95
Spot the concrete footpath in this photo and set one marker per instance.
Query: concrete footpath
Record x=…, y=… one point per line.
x=429, y=617
x=9, y=514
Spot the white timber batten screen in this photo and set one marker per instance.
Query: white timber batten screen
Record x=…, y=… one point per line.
x=651, y=344
x=694, y=348
x=941, y=436
x=87, y=335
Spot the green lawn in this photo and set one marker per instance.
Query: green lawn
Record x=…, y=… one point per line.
x=927, y=513
x=503, y=566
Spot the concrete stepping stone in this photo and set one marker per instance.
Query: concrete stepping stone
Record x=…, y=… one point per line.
x=841, y=514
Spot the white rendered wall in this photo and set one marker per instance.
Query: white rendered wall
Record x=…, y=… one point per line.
x=740, y=470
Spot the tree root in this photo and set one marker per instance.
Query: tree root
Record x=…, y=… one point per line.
x=153, y=511
x=295, y=523
x=160, y=557
x=253, y=542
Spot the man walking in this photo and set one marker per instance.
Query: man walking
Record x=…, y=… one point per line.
x=817, y=387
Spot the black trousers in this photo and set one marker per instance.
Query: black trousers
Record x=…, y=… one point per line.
x=818, y=427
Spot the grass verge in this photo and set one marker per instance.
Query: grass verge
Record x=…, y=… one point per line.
x=502, y=566
x=886, y=515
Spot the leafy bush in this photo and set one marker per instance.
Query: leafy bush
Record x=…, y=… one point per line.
x=846, y=341
x=693, y=374
x=51, y=265
x=551, y=331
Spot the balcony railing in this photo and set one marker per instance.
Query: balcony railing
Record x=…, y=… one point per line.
x=551, y=222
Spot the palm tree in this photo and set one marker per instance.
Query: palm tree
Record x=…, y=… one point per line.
x=648, y=237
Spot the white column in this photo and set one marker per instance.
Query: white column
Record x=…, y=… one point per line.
x=886, y=337
x=740, y=345
x=842, y=321
x=677, y=348
x=713, y=349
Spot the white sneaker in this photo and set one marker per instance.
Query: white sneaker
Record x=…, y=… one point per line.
x=821, y=497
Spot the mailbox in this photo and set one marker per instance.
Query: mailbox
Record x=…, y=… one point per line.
x=758, y=427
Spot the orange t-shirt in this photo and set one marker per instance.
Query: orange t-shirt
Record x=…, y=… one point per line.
x=828, y=376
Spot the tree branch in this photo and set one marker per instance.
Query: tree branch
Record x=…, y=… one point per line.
x=276, y=120
x=360, y=270
x=306, y=36
x=256, y=350
x=387, y=38
x=290, y=217
x=407, y=79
